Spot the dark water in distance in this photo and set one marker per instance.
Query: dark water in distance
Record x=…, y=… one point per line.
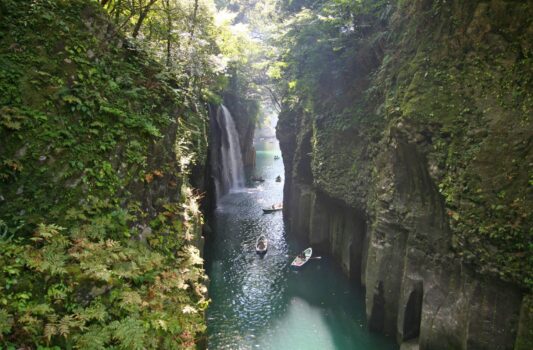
x=261, y=303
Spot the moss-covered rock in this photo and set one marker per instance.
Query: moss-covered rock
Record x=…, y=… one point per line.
x=100, y=229
x=431, y=142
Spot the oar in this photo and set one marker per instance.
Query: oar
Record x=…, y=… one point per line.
x=313, y=257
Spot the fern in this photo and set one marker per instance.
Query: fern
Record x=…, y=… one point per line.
x=6, y=322
x=96, y=311
x=70, y=273
x=130, y=301
x=129, y=333
x=48, y=231
x=95, y=337
x=50, y=330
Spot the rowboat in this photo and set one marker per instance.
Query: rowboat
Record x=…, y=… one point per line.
x=261, y=245
x=273, y=208
x=302, y=258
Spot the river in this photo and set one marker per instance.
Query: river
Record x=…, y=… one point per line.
x=260, y=302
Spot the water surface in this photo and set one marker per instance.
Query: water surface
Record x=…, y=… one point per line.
x=261, y=303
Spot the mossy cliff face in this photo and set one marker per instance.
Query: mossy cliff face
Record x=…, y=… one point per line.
x=100, y=229
x=416, y=173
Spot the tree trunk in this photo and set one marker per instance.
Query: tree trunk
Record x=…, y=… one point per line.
x=117, y=9
x=169, y=31
x=142, y=16
x=193, y=20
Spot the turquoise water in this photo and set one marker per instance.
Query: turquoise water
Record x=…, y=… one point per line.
x=261, y=303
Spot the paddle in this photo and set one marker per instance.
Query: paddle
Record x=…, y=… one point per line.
x=313, y=257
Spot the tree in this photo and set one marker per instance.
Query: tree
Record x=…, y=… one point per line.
x=143, y=12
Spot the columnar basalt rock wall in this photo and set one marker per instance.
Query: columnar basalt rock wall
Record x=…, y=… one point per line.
x=415, y=289
x=391, y=202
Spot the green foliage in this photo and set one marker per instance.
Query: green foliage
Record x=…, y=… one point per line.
x=93, y=255
x=111, y=294
x=363, y=72
x=181, y=34
x=466, y=99
x=247, y=31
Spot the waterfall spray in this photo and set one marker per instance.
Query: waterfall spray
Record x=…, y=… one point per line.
x=232, y=170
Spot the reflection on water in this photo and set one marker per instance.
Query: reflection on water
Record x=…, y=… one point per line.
x=258, y=302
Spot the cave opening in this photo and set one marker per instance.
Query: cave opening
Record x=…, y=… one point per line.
x=413, y=313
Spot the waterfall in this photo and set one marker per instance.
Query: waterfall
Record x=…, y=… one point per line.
x=232, y=170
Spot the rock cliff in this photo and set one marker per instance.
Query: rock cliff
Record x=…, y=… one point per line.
x=100, y=230
x=412, y=168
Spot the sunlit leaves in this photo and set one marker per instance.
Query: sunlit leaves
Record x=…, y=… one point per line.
x=187, y=309
x=82, y=122
x=112, y=283
x=275, y=71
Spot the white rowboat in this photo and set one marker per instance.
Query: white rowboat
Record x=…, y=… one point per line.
x=304, y=257
x=261, y=245
x=273, y=208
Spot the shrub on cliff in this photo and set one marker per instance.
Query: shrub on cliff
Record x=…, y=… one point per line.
x=453, y=81
x=98, y=221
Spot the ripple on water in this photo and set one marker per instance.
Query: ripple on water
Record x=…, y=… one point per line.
x=259, y=302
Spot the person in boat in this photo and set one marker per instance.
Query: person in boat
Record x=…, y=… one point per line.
x=301, y=256
x=261, y=245
x=278, y=178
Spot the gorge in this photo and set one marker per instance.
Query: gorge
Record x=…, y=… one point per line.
x=257, y=300
x=133, y=175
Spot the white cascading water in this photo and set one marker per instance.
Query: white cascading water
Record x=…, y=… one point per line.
x=232, y=166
